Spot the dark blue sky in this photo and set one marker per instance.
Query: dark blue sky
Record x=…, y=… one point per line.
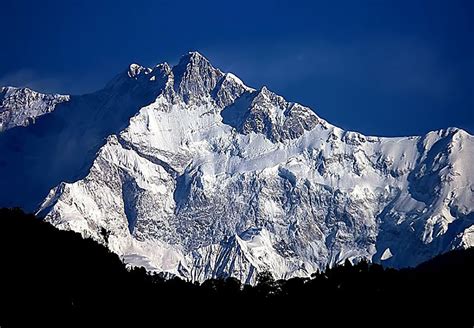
x=378, y=67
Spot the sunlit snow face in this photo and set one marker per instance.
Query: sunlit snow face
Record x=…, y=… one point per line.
x=196, y=174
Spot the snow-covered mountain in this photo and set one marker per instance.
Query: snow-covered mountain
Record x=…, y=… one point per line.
x=21, y=106
x=188, y=171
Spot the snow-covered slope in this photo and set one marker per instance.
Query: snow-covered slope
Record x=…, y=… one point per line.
x=210, y=178
x=21, y=106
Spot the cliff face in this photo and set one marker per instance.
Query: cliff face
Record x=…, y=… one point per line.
x=202, y=176
x=21, y=106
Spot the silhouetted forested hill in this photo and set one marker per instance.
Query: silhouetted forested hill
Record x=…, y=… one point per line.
x=55, y=277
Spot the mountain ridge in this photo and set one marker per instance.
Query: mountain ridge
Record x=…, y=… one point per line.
x=21, y=106
x=210, y=178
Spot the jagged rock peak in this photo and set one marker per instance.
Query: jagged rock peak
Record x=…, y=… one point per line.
x=271, y=115
x=193, y=58
x=21, y=106
x=195, y=78
x=202, y=178
x=4, y=91
x=136, y=70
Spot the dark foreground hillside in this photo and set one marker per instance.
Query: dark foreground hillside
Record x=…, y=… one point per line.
x=55, y=277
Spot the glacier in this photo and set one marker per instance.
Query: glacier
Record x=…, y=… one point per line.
x=185, y=170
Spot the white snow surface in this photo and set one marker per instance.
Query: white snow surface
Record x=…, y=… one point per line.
x=216, y=179
x=21, y=106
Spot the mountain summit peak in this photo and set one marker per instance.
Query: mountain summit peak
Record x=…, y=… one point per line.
x=192, y=173
x=135, y=70
x=195, y=77
x=192, y=57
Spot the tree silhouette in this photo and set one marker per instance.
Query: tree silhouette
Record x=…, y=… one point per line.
x=50, y=277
